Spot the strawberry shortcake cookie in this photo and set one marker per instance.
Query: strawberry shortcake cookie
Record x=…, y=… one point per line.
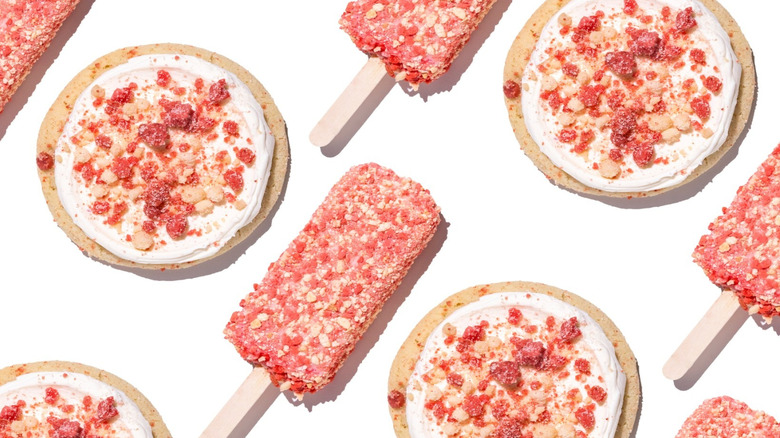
x=514, y=360
x=628, y=97
x=66, y=399
x=161, y=156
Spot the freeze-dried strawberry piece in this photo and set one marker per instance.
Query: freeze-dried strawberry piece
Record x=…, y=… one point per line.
x=597, y=393
x=570, y=330
x=589, y=24
x=245, y=155
x=123, y=166
x=10, y=413
x=643, y=154
x=701, y=107
x=455, y=379
x=62, y=428
x=154, y=134
x=713, y=84
x=582, y=365
x=684, y=20
x=178, y=116
x=623, y=121
x=591, y=94
x=474, y=405
x=218, y=92
x=645, y=43
x=505, y=372
x=234, y=179
x=509, y=428
x=176, y=226
x=529, y=353
x=51, y=395
x=585, y=417
x=44, y=161
x=106, y=410
x=511, y=89
x=630, y=7
x=396, y=399
x=163, y=78
x=622, y=63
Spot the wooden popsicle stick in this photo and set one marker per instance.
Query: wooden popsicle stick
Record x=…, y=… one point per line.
x=239, y=405
x=348, y=102
x=702, y=335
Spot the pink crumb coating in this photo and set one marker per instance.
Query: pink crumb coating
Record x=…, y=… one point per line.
x=317, y=300
x=742, y=252
x=417, y=39
x=724, y=417
x=27, y=27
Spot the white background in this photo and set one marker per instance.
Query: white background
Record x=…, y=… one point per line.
x=162, y=331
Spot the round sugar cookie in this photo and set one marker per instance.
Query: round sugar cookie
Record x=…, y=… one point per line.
x=215, y=130
x=518, y=58
x=152, y=416
x=407, y=357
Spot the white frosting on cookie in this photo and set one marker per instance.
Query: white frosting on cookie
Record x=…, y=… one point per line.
x=593, y=345
x=207, y=232
x=72, y=388
x=674, y=160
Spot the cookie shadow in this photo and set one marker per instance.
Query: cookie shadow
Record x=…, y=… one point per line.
x=640, y=404
x=375, y=330
x=763, y=325
x=690, y=189
x=222, y=261
x=33, y=78
x=712, y=351
x=464, y=59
